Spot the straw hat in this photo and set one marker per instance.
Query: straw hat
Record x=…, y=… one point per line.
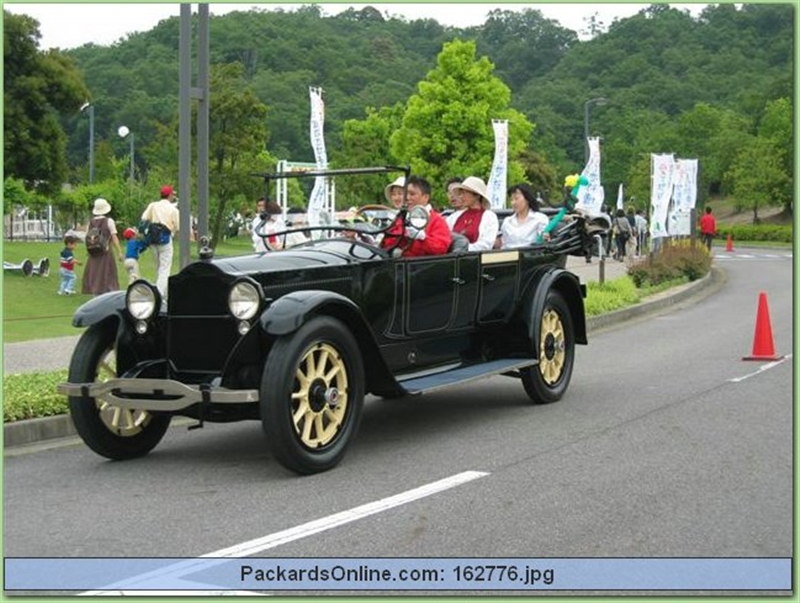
x=477, y=186
x=401, y=182
x=101, y=207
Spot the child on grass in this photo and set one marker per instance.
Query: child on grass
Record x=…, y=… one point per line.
x=67, y=269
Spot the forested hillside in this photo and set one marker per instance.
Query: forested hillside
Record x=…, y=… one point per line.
x=705, y=87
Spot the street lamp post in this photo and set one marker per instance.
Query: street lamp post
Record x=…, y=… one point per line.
x=87, y=106
x=124, y=132
x=592, y=101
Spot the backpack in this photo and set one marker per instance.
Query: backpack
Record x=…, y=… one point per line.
x=97, y=238
x=156, y=234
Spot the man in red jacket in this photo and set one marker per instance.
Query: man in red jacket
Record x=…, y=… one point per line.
x=708, y=227
x=434, y=240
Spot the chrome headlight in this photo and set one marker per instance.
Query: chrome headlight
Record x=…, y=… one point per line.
x=244, y=300
x=142, y=300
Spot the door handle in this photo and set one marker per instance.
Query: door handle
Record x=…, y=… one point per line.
x=458, y=281
x=487, y=277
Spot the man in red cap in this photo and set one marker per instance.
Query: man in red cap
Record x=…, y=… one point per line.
x=163, y=223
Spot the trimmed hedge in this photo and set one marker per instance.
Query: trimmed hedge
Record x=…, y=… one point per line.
x=780, y=233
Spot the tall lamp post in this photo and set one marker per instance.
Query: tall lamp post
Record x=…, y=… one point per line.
x=125, y=132
x=89, y=107
x=592, y=101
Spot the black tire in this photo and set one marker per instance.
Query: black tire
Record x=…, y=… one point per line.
x=110, y=431
x=547, y=381
x=310, y=411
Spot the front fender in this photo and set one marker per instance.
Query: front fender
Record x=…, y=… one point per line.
x=289, y=312
x=99, y=308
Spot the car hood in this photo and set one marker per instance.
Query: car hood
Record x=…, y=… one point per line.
x=331, y=253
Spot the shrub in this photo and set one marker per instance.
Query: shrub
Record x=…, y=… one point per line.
x=33, y=395
x=610, y=296
x=780, y=233
x=675, y=260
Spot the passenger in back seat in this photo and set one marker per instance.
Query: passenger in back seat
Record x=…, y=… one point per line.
x=475, y=220
x=527, y=225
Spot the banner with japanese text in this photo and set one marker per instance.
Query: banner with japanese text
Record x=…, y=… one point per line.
x=498, y=178
x=592, y=196
x=316, y=202
x=661, y=178
x=684, y=188
x=684, y=197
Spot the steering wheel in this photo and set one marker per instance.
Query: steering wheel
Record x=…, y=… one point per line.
x=363, y=212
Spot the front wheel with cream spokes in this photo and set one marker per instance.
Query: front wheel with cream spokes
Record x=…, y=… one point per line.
x=547, y=381
x=111, y=431
x=312, y=393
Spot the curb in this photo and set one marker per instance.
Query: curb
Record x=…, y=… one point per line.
x=29, y=431
x=22, y=433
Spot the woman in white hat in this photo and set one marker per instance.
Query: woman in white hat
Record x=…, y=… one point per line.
x=475, y=220
x=100, y=275
x=394, y=192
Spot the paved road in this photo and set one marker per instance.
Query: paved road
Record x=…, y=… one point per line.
x=667, y=445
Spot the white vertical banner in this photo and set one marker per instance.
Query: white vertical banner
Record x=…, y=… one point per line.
x=684, y=196
x=684, y=193
x=498, y=178
x=591, y=197
x=620, y=198
x=661, y=176
x=316, y=203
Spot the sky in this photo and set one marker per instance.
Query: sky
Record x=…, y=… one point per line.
x=68, y=25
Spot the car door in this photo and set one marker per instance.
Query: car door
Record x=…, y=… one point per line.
x=498, y=285
x=430, y=294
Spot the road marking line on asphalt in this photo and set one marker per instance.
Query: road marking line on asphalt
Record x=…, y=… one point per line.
x=338, y=519
x=277, y=539
x=761, y=369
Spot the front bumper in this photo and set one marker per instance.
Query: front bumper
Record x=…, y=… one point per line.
x=157, y=394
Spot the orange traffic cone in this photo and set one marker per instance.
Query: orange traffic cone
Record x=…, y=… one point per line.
x=763, y=343
x=729, y=244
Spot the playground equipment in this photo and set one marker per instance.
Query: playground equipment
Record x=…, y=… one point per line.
x=28, y=269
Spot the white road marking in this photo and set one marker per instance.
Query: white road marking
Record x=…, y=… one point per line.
x=326, y=523
x=761, y=369
x=277, y=539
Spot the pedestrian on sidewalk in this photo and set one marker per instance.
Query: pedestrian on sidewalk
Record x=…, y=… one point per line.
x=641, y=232
x=623, y=234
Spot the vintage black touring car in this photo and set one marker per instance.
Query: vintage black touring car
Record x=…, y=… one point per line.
x=297, y=338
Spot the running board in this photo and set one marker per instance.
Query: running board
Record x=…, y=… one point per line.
x=464, y=374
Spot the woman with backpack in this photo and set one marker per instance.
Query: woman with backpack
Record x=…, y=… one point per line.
x=100, y=274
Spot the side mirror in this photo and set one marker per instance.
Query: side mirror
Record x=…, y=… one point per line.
x=418, y=218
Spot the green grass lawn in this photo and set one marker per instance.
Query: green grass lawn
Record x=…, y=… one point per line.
x=32, y=308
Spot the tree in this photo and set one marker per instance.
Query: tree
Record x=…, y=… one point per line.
x=715, y=137
x=365, y=143
x=758, y=176
x=37, y=88
x=523, y=44
x=777, y=126
x=238, y=137
x=447, y=125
